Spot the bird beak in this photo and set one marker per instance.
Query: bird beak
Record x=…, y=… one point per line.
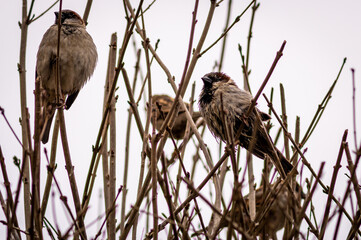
x=207, y=80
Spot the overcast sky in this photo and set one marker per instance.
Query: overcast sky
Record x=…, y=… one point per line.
x=319, y=35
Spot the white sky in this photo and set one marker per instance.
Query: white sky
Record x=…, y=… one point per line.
x=319, y=35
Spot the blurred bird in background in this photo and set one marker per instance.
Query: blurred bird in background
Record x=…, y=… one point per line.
x=165, y=103
x=274, y=209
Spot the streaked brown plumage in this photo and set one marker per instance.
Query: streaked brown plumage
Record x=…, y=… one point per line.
x=77, y=60
x=166, y=102
x=235, y=105
x=275, y=207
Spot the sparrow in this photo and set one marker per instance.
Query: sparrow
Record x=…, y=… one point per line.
x=275, y=207
x=218, y=86
x=77, y=60
x=163, y=104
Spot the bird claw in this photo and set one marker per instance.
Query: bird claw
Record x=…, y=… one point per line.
x=228, y=149
x=60, y=103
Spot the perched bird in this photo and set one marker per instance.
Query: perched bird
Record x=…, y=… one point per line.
x=165, y=103
x=236, y=101
x=77, y=60
x=274, y=206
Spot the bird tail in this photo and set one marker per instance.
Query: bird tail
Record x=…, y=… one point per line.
x=44, y=135
x=286, y=165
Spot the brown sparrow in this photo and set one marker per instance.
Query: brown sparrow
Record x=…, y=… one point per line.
x=77, y=60
x=235, y=105
x=274, y=217
x=165, y=103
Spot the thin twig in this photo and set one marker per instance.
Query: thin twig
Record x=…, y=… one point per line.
x=332, y=186
x=10, y=203
x=250, y=34
x=87, y=11
x=127, y=145
x=35, y=161
x=51, y=166
x=109, y=211
x=2, y=111
x=321, y=109
x=112, y=139
x=345, y=198
x=104, y=145
x=23, y=171
x=228, y=17
x=168, y=198
x=301, y=214
x=70, y=169
x=352, y=168
x=245, y=66
x=64, y=199
x=43, y=13
x=227, y=30
x=23, y=103
x=354, y=106
x=284, y=119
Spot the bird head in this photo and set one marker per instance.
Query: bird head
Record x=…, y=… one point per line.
x=214, y=77
x=69, y=17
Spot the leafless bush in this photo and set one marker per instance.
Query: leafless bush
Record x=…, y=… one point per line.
x=170, y=202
